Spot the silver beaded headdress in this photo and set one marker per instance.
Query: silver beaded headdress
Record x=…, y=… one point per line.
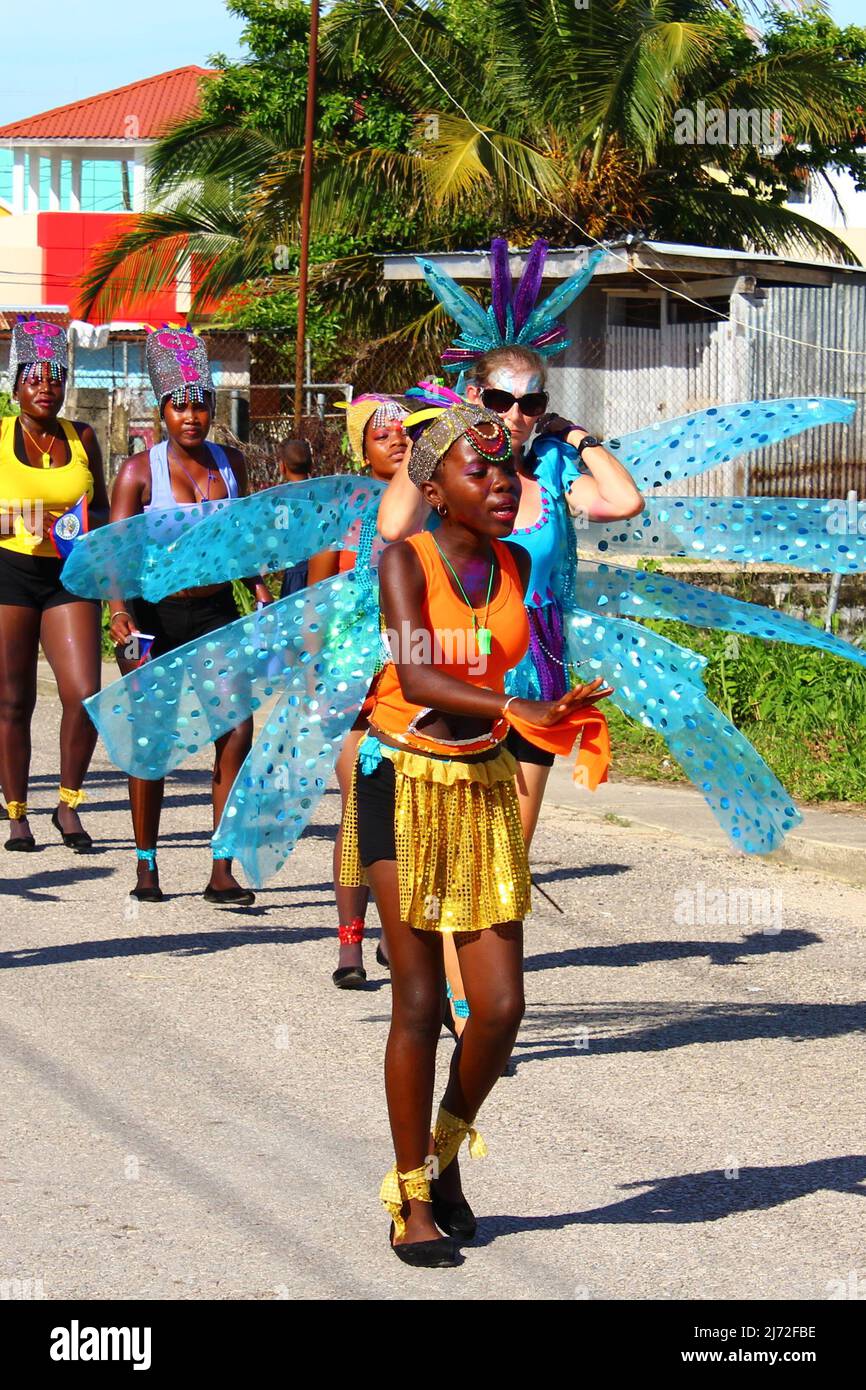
x=448, y=425
x=178, y=366
x=35, y=342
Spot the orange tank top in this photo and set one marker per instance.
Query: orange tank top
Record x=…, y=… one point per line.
x=448, y=640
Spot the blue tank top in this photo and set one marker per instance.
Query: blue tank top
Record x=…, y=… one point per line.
x=161, y=494
x=555, y=465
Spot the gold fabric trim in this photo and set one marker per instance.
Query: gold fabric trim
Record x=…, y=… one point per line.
x=398, y=1188
x=72, y=798
x=449, y=1134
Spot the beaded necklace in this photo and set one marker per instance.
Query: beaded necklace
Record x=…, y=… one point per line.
x=483, y=635
x=211, y=474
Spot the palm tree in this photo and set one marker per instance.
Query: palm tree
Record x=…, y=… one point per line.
x=586, y=150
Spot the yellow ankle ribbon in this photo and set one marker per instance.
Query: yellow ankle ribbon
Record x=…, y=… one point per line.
x=449, y=1134
x=16, y=810
x=71, y=798
x=398, y=1188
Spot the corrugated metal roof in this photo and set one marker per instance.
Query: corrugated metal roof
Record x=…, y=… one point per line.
x=153, y=105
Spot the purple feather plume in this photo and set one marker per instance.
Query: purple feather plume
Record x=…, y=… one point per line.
x=530, y=284
x=500, y=280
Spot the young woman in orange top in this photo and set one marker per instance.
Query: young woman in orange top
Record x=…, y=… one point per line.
x=433, y=821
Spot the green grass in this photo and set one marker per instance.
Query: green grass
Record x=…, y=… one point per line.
x=804, y=711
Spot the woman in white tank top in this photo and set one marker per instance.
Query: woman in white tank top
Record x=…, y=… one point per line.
x=184, y=470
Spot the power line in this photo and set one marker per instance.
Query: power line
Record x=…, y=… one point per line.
x=706, y=308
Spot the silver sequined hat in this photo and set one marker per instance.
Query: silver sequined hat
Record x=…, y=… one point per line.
x=178, y=366
x=33, y=342
x=447, y=427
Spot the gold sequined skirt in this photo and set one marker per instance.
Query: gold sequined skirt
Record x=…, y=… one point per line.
x=461, y=857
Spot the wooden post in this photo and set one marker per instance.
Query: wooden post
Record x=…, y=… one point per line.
x=306, y=197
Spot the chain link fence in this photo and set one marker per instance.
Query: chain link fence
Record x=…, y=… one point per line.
x=632, y=377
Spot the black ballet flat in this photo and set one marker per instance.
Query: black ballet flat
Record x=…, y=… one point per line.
x=426, y=1254
x=350, y=977
x=79, y=840
x=147, y=895
x=23, y=844
x=381, y=958
x=229, y=897
x=454, y=1218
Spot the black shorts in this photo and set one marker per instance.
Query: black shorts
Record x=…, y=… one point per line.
x=175, y=621
x=33, y=581
x=295, y=579
x=376, y=794
x=526, y=752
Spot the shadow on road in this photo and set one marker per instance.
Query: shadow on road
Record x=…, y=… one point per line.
x=698, y=1197
x=179, y=943
x=560, y=1031
x=644, y=952
x=37, y=887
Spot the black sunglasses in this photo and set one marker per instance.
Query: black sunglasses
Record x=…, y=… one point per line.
x=533, y=403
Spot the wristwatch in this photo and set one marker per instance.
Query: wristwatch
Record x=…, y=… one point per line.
x=589, y=441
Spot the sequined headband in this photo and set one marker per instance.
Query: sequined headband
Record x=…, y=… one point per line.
x=35, y=342
x=177, y=361
x=448, y=426
x=360, y=411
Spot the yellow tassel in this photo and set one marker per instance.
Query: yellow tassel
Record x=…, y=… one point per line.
x=71, y=798
x=398, y=1188
x=449, y=1135
x=16, y=810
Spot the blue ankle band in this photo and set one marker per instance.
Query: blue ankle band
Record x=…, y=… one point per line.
x=148, y=856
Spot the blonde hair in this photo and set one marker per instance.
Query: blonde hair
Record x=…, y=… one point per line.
x=511, y=354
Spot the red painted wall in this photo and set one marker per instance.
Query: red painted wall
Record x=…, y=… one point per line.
x=67, y=239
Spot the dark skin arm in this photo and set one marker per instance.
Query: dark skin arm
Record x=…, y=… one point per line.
x=97, y=511
x=402, y=590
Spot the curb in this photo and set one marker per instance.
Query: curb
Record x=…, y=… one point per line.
x=845, y=862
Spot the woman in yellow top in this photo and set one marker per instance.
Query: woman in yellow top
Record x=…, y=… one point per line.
x=47, y=464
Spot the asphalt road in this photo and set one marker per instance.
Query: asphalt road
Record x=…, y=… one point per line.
x=193, y=1111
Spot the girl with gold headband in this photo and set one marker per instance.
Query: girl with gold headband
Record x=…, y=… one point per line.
x=433, y=820
x=379, y=442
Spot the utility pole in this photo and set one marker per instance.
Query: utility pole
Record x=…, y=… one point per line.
x=306, y=197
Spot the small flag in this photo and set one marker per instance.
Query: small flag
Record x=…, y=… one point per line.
x=68, y=527
x=143, y=643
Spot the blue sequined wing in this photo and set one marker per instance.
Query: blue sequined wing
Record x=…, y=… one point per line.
x=684, y=447
x=288, y=768
x=123, y=560
x=216, y=542
x=622, y=593
x=808, y=533
x=659, y=684
x=164, y=711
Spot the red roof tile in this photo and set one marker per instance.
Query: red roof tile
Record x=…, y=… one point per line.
x=139, y=111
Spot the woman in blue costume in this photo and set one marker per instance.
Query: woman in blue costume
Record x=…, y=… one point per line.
x=181, y=472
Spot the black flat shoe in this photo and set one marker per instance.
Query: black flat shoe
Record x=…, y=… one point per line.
x=229, y=897
x=426, y=1254
x=75, y=839
x=350, y=977
x=454, y=1218
x=381, y=958
x=147, y=895
x=22, y=845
